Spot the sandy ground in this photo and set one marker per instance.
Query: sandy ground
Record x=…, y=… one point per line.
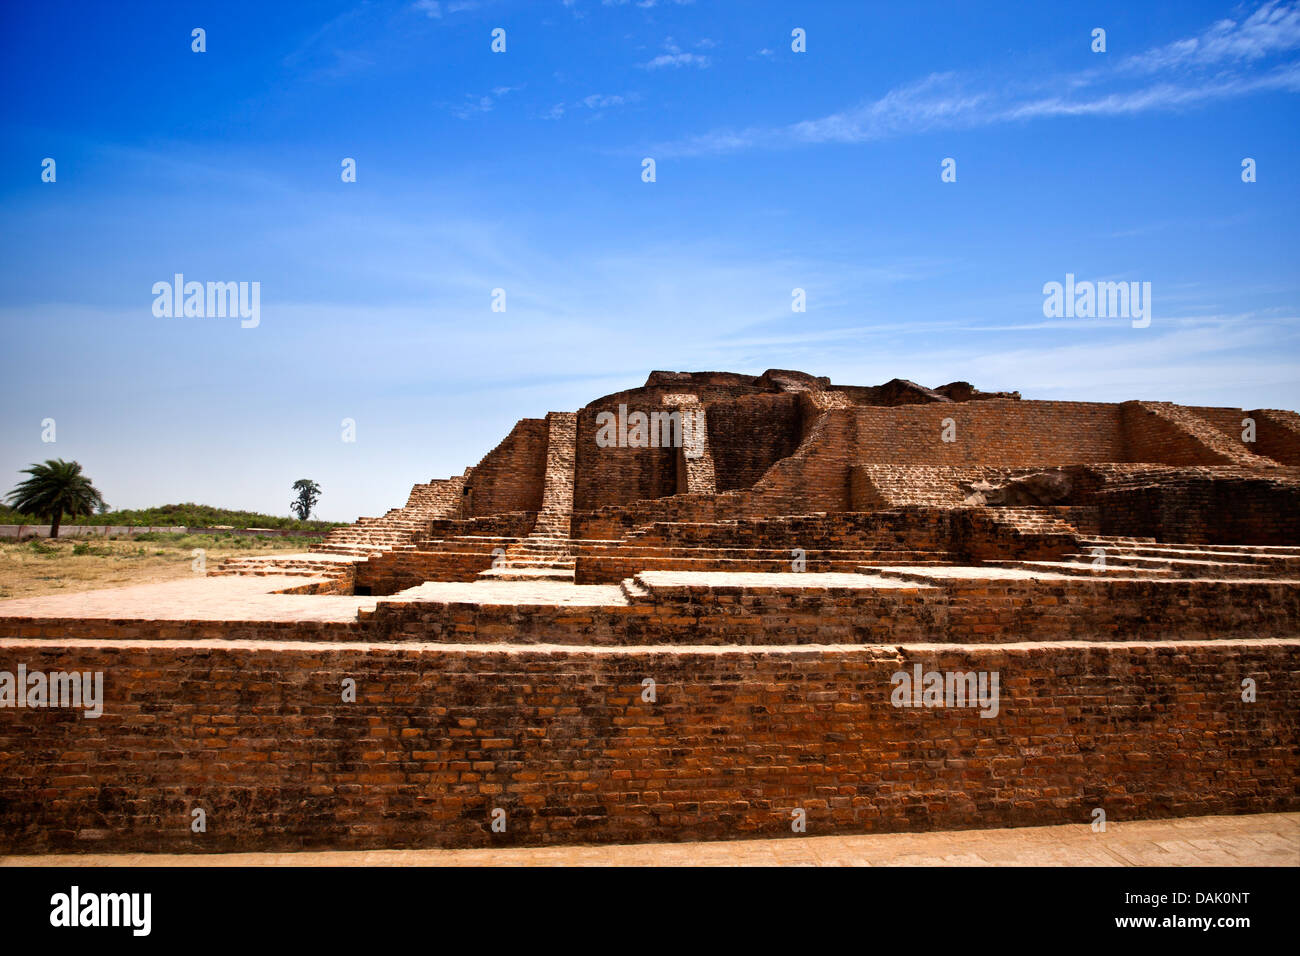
x=40, y=567
x=1261, y=839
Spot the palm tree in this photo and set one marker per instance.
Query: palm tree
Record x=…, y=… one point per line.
x=53, y=488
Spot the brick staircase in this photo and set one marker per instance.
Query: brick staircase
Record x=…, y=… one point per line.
x=1278, y=434
x=1043, y=519
x=546, y=554
x=1144, y=557
x=304, y=565
x=894, y=486
x=1188, y=438
x=335, y=557
x=536, y=558
x=399, y=526
x=750, y=546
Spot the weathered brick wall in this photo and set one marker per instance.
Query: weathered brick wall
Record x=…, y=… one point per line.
x=1204, y=510
x=557, y=491
x=1227, y=421
x=398, y=570
x=615, y=521
x=441, y=497
x=816, y=476
x=928, y=529
x=1073, y=610
x=509, y=524
x=999, y=432
x=1160, y=432
x=955, y=611
x=510, y=477
x=1277, y=434
x=562, y=741
x=688, y=613
x=707, y=386
x=615, y=476
x=748, y=436
x=960, y=533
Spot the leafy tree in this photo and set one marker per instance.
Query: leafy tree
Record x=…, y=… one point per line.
x=56, y=487
x=308, y=495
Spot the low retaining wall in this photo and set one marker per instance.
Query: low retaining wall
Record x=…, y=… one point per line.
x=394, y=571
x=565, y=744
x=948, y=612
x=1203, y=510
x=958, y=611
x=78, y=530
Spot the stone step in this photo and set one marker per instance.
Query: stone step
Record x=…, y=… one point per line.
x=897, y=556
x=1263, y=550
x=899, y=574
x=1111, y=540
x=1085, y=569
x=1154, y=567
x=751, y=565
x=483, y=538
x=1279, y=561
x=635, y=592
x=526, y=574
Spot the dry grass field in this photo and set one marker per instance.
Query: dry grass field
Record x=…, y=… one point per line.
x=64, y=565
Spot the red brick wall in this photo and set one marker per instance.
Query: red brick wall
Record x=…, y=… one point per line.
x=1225, y=420
x=510, y=477
x=816, y=476
x=750, y=435
x=1001, y=432
x=614, y=476
x=1159, y=432
x=1277, y=434
x=562, y=741
x=398, y=570
x=1201, y=510
x=959, y=611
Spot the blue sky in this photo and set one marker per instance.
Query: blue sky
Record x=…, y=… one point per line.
x=522, y=170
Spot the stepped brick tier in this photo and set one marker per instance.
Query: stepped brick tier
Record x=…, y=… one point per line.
x=697, y=609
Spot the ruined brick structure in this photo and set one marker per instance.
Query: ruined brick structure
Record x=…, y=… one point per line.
x=786, y=443
x=1130, y=570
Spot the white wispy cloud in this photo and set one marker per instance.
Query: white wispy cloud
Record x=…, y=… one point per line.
x=644, y=4
x=676, y=57
x=434, y=9
x=482, y=103
x=595, y=102
x=1273, y=28
x=1222, y=62
x=598, y=101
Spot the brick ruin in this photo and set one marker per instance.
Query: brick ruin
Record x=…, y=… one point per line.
x=1130, y=571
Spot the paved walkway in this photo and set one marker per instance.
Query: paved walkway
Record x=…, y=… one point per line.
x=253, y=598
x=1263, y=839
x=200, y=598
x=557, y=593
